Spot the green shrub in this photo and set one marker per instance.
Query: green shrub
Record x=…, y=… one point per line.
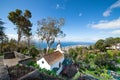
x=32, y=63
x=25, y=51
x=118, y=61
x=33, y=52
x=105, y=75
x=1, y=54
x=110, y=53
x=17, y=65
x=91, y=55
x=51, y=51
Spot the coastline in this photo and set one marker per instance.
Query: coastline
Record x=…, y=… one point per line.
x=73, y=46
x=64, y=45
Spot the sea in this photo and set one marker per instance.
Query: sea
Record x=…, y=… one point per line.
x=63, y=44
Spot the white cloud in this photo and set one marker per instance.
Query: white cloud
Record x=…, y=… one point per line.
x=73, y=39
x=115, y=5
x=15, y=36
x=107, y=13
x=109, y=10
x=80, y=14
x=65, y=39
x=35, y=37
x=58, y=6
x=114, y=24
x=12, y=36
x=115, y=32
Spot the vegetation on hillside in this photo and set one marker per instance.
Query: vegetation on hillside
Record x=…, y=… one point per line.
x=95, y=60
x=108, y=42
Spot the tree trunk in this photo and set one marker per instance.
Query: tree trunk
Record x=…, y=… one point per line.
x=49, y=44
x=28, y=42
x=28, y=45
x=18, y=39
x=0, y=49
x=48, y=47
x=1, y=46
x=19, y=36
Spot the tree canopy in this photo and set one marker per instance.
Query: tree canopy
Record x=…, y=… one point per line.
x=50, y=28
x=1, y=29
x=2, y=34
x=22, y=22
x=100, y=44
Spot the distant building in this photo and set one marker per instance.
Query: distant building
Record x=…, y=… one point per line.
x=53, y=60
x=116, y=46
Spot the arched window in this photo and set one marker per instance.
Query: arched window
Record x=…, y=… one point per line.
x=42, y=62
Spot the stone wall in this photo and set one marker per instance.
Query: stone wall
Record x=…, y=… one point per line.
x=36, y=75
x=32, y=75
x=25, y=61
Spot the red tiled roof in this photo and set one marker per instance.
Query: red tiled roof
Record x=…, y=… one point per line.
x=53, y=57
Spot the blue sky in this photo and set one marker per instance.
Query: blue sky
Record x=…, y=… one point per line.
x=85, y=20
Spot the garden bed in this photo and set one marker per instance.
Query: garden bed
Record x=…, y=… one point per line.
x=18, y=71
x=69, y=71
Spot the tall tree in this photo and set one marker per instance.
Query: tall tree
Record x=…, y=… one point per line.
x=21, y=20
x=117, y=40
x=100, y=44
x=109, y=41
x=27, y=30
x=2, y=34
x=28, y=35
x=50, y=28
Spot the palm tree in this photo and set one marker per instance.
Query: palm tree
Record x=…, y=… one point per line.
x=21, y=20
x=2, y=34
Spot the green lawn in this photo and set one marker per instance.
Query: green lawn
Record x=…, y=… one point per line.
x=76, y=76
x=118, y=72
x=92, y=73
x=1, y=56
x=102, y=76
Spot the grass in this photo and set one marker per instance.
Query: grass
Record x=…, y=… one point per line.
x=118, y=72
x=100, y=77
x=1, y=54
x=77, y=75
x=92, y=73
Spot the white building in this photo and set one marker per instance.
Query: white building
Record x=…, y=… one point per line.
x=117, y=46
x=53, y=60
